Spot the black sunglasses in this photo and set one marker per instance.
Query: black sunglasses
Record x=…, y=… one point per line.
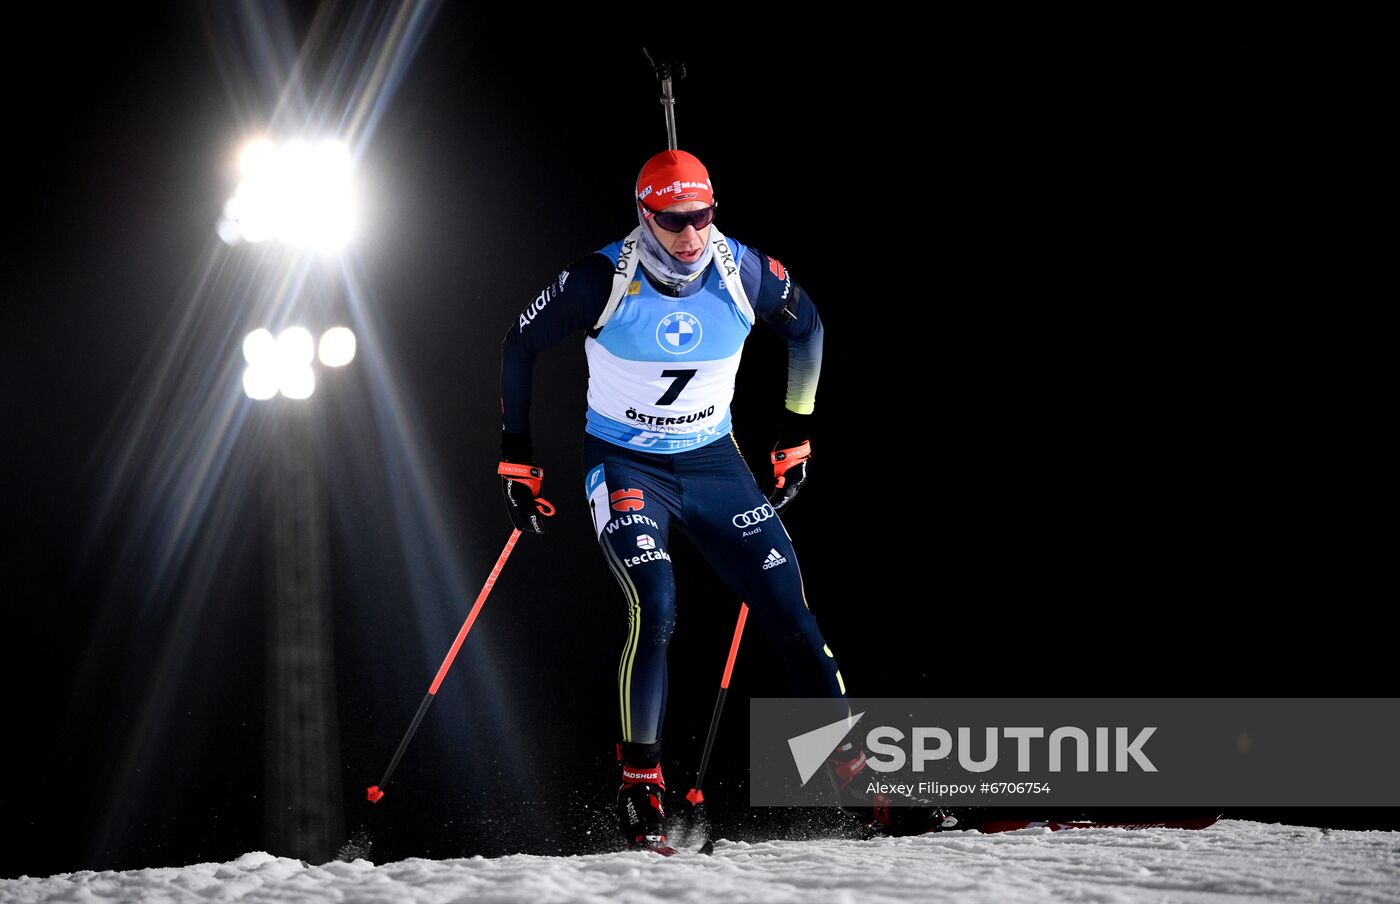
x=676, y=222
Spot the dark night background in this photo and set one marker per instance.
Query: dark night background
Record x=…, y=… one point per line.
x=1058, y=441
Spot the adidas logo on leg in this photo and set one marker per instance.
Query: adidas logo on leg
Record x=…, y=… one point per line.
x=774, y=559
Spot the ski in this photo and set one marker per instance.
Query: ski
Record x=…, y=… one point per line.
x=666, y=850
x=1010, y=825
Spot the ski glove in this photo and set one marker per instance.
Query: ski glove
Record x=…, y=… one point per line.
x=789, y=471
x=790, y=456
x=521, y=485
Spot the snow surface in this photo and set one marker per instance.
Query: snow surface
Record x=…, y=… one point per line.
x=1233, y=861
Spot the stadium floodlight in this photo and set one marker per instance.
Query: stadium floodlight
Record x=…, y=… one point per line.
x=281, y=364
x=260, y=378
x=295, y=346
x=228, y=231
x=260, y=383
x=299, y=193
x=295, y=352
x=259, y=347
x=337, y=346
x=284, y=363
x=297, y=381
x=257, y=156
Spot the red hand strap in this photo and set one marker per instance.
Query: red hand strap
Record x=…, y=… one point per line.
x=787, y=458
x=533, y=477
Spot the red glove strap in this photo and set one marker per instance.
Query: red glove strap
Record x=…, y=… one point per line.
x=533, y=477
x=786, y=458
x=530, y=475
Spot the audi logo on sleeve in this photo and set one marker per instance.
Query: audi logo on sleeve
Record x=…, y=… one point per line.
x=753, y=517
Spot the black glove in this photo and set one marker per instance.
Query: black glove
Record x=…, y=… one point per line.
x=790, y=457
x=521, y=480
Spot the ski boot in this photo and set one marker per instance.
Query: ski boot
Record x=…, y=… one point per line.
x=846, y=768
x=641, y=810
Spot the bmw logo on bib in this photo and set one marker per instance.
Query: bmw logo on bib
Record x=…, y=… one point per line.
x=678, y=333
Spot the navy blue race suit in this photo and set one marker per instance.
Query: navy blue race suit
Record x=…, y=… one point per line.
x=659, y=452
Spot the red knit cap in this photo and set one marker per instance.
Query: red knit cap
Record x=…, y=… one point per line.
x=672, y=177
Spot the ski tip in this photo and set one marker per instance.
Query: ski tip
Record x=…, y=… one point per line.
x=665, y=850
x=374, y=794
x=996, y=826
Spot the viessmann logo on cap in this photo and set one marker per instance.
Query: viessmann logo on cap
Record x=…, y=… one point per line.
x=675, y=192
x=675, y=188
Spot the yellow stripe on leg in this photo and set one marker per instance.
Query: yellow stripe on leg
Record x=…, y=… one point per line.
x=629, y=649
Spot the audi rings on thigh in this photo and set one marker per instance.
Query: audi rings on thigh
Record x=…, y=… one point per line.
x=753, y=516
